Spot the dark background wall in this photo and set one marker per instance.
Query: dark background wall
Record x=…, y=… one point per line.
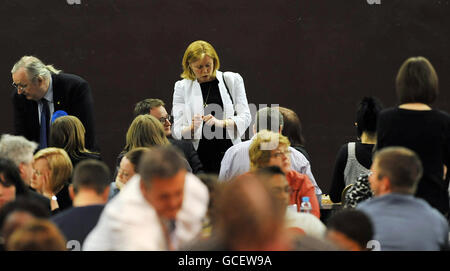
x=318, y=57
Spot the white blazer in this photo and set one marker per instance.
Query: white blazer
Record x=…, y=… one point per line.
x=188, y=101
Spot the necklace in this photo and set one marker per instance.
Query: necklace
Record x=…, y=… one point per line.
x=205, y=104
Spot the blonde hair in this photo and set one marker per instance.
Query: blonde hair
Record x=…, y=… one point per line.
x=145, y=131
x=59, y=165
x=196, y=51
x=68, y=133
x=259, y=156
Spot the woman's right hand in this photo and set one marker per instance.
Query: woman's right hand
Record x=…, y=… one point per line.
x=189, y=131
x=196, y=122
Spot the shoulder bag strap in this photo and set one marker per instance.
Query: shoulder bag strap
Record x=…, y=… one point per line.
x=225, y=82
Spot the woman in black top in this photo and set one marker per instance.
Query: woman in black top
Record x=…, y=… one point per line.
x=415, y=125
x=210, y=107
x=355, y=158
x=68, y=133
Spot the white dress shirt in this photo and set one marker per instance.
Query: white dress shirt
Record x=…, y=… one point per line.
x=236, y=161
x=129, y=222
x=309, y=223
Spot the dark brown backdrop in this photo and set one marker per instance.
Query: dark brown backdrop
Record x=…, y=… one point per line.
x=318, y=57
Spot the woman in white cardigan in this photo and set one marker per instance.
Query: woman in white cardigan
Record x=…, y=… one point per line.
x=210, y=108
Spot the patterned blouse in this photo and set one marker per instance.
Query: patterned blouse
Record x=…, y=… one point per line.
x=360, y=191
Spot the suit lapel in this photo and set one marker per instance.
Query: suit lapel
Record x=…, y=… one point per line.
x=57, y=95
x=196, y=98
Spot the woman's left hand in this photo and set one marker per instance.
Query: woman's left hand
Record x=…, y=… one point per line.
x=210, y=120
x=46, y=190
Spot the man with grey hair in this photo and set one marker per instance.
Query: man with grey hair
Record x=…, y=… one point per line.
x=160, y=208
x=236, y=160
x=402, y=221
x=20, y=151
x=42, y=90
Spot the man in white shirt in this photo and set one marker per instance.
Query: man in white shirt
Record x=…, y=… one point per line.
x=160, y=209
x=236, y=160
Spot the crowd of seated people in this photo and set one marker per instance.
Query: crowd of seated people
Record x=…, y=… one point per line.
x=176, y=188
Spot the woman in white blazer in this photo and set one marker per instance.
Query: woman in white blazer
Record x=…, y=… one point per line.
x=210, y=107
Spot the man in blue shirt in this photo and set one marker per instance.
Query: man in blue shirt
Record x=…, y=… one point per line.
x=401, y=221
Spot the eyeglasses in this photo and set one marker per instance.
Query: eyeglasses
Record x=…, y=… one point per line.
x=37, y=173
x=163, y=119
x=123, y=174
x=19, y=86
x=282, y=153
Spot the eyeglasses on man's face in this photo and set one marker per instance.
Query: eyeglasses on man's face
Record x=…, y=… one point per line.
x=164, y=119
x=19, y=86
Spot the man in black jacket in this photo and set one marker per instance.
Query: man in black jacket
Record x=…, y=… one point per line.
x=155, y=107
x=43, y=90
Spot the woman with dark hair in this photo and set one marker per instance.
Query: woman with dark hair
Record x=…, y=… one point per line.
x=355, y=158
x=127, y=169
x=11, y=184
x=292, y=129
x=415, y=125
x=16, y=213
x=37, y=235
x=68, y=133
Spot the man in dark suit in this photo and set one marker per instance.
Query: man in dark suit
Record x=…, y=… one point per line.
x=155, y=107
x=43, y=90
